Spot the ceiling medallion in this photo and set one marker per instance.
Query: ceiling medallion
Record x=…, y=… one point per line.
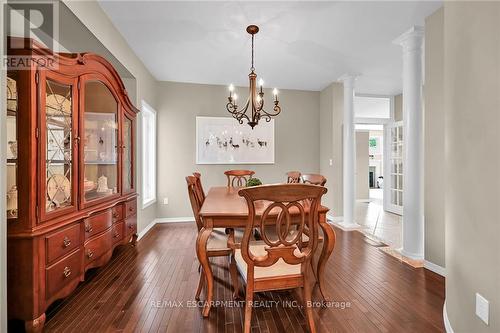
x=255, y=102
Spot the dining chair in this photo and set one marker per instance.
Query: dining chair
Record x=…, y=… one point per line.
x=293, y=177
x=238, y=178
x=282, y=262
x=314, y=179
x=199, y=186
x=217, y=245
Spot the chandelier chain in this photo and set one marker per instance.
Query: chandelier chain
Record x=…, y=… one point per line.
x=252, y=68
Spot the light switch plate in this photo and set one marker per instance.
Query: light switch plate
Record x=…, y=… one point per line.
x=482, y=308
x=165, y=201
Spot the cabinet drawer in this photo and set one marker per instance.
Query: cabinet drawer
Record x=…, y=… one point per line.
x=117, y=231
x=62, y=242
x=97, y=223
x=63, y=272
x=98, y=246
x=117, y=213
x=131, y=225
x=130, y=207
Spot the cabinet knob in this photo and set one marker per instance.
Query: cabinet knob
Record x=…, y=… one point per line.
x=88, y=227
x=66, y=241
x=90, y=254
x=131, y=209
x=67, y=271
x=130, y=226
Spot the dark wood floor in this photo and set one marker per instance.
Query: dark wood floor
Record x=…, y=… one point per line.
x=146, y=289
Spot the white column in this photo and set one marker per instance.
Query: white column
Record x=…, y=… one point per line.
x=349, y=154
x=413, y=210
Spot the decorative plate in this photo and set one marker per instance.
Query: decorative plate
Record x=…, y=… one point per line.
x=58, y=189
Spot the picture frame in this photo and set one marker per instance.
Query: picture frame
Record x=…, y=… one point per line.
x=223, y=140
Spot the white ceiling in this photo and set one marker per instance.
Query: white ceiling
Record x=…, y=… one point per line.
x=301, y=45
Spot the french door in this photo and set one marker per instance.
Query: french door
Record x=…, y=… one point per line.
x=393, y=180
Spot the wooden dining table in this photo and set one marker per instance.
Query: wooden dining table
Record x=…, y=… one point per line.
x=224, y=208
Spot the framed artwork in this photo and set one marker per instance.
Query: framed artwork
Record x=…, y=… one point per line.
x=221, y=140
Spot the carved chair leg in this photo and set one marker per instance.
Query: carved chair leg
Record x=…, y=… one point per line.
x=234, y=276
x=307, y=305
x=201, y=282
x=35, y=325
x=248, y=310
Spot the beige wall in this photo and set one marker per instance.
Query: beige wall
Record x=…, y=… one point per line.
x=296, y=139
x=434, y=158
x=98, y=23
x=331, y=108
x=398, y=107
x=472, y=104
x=362, y=161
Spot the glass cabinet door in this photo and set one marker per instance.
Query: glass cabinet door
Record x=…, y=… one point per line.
x=100, y=142
x=127, y=171
x=12, y=105
x=59, y=143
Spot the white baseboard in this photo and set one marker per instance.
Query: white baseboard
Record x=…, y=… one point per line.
x=174, y=219
x=331, y=218
x=447, y=324
x=146, y=230
x=164, y=220
x=435, y=268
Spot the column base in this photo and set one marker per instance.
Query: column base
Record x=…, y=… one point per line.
x=346, y=226
x=410, y=255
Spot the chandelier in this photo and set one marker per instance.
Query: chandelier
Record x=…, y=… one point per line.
x=255, y=102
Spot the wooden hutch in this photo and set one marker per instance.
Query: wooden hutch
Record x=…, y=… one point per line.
x=71, y=195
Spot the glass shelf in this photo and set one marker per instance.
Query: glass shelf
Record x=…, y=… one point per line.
x=100, y=142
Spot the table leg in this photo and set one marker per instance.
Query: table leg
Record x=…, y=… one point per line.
x=326, y=251
x=201, y=252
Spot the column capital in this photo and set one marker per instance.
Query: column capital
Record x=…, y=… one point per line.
x=348, y=79
x=411, y=39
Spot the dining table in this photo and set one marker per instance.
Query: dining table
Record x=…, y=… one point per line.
x=223, y=207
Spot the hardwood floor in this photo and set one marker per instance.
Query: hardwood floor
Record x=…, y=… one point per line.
x=147, y=289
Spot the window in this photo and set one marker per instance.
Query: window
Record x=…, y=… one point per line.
x=148, y=115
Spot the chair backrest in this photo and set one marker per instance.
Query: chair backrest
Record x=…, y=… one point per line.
x=199, y=186
x=293, y=177
x=195, y=199
x=314, y=179
x=238, y=178
x=289, y=209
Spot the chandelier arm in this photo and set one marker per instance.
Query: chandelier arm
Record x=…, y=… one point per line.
x=276, y=109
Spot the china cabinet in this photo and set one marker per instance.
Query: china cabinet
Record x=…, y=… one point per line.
x=70, y=174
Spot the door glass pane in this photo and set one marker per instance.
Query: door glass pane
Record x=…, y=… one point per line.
x=127, y=155
x=59, y=159
x=100, y=142
x=12, y=145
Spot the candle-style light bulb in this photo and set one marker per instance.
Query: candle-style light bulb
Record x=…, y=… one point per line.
x=235, y=97
x=261, y=82
x=275, y=93
x=231, y=87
